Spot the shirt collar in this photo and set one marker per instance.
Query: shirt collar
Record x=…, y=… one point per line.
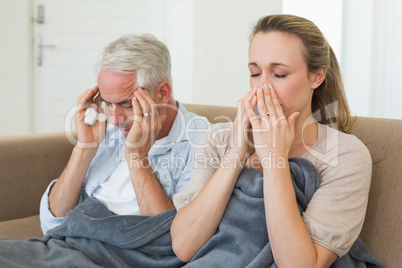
x=176, y=134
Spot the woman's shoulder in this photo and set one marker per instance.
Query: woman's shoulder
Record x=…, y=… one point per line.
x=334, y=147
x=220, y=134
x=346, y=143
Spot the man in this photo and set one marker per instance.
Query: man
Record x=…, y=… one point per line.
x=136, y=163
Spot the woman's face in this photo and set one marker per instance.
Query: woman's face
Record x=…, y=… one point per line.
x=276, y=58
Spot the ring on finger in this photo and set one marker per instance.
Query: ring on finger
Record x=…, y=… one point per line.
x=146, y=114
x=264, y=115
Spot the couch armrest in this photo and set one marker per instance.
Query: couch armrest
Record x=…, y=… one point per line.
x=27, y=165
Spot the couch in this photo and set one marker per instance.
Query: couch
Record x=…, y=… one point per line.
x=29, y=163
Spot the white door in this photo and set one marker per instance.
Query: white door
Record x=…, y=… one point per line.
x=68, y=42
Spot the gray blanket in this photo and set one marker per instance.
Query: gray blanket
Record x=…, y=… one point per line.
x=92, y=236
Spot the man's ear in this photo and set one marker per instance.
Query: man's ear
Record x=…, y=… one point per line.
x=163, y=93
x=318, y=77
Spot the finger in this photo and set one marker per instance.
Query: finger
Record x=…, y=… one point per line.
x=137, y=111
x=276, y=103
x=145, y=106
x=261, y=106
x=148, y=105
x=253, y=102
x=102, y=125
x=269, y=103
x=253, y=118
x=155, y=114
x=250, y=94
x=91, y=94
x=85, y=98
x=292, y=121
x=146, y=95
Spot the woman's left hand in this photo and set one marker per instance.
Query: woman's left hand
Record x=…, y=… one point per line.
x=272, y=131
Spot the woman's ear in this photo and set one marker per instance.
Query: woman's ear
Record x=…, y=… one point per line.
x=163, y=93
x=318, y=77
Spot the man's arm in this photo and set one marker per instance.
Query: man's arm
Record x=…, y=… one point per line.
x=65, y=193
x=151, y=196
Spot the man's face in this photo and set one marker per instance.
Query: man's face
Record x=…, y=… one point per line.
x=117, y=91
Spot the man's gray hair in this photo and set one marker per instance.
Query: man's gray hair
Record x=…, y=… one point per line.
x=143, y=55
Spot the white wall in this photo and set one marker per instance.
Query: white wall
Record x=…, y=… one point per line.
x=15, y=73
x=209, y=46
x=373, y=57
x=327, y=16
x=357, y=54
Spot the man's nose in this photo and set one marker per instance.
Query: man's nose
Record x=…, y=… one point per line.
x=116, y=116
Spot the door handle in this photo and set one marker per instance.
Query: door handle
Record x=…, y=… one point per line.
x=40, y=47
x=41, y=14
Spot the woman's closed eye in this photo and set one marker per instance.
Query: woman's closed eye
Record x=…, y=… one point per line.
x=254, y=75
x=280, y=75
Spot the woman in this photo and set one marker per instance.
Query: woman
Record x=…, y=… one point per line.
x=298, y=92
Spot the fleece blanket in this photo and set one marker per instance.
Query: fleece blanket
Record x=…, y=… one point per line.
x=92, y=236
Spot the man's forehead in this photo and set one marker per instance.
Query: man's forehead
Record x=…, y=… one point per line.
x=115, y=87
x=123, y=101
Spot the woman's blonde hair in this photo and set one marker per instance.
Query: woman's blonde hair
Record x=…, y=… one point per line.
x=329, y=104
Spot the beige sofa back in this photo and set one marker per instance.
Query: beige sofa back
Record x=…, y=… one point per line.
x=28, y=164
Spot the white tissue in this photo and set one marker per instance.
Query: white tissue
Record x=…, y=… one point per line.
x=90, y=116
x=102, y=117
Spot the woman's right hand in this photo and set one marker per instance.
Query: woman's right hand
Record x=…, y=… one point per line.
x=89, y=137
x=242, y=139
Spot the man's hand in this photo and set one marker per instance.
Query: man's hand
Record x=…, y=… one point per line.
x=89, y=137
x=146, y=126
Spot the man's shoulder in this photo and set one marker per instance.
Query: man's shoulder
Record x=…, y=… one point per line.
x=189, y=126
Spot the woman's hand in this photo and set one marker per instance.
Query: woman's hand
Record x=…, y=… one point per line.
x=272, y=131
x=242, y=140
x=89, y=137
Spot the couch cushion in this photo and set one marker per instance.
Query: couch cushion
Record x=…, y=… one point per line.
x=382, y=227
x=29, y=163
x=21, y=229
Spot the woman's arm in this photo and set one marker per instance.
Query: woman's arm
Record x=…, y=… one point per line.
x=291, y=242
x=196, y=223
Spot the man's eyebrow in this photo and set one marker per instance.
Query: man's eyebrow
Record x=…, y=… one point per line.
x=120, y=103
x=124, y=102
